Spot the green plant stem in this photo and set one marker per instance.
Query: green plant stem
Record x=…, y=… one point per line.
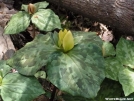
x=53, y=94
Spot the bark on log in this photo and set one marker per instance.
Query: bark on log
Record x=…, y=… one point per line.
x=119, y=14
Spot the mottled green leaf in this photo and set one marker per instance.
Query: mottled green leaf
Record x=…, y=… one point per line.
x=4, y=68
x=41, y=5
x=78, y=72
x=40, y=74
x=24, y=7
x=87, y=37
x=46, y=20
x=126, y=78
x=112, y=66
x=16, y=87
x=29, y=59
x=125, y=52
x=108, y=49
x=18, y=23
x=109, y=89
x=55, y=38
x=119, y=67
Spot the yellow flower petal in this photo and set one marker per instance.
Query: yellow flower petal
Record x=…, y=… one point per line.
x=61, y=36
x=31, y=8
x=68, y=41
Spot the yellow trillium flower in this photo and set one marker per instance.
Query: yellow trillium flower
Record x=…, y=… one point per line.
x=66, y=40
x=31, y=8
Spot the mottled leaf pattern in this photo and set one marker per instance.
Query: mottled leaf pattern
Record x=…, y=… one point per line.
x=4, y=68
x=108, y=49
x=79, y=72
x=125, y=52
x=46, y=20
x=112, y=66
x=33, y=56
x=18, y=23
x=87, y=37
x=16, y=87
x=126, y=78
x=41, y=5
x=121, y=67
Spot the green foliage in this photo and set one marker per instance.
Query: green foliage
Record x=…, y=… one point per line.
x=109, y=89
x=16, y=87
x=29, y=59
x=78, y=72
x=108, y=49
x=40, y=74
x=44, y=19
x=120, y=68
x=19, y=22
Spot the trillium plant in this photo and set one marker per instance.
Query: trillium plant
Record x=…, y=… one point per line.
x=43, y=19
x=73, y=63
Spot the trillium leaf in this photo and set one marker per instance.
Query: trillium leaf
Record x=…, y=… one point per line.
x=16, y=87
x=68, y=41
x=55, y=38
x=41, y=5
x=87, y=37
x=18, y=23
x=24, y=7
x=122, y=65
x=4, y=68
x=78, y=72
x=29, y=59
x=126, y=78
x=125, y=52
x=46, y=20
x=113, y=67
x=108, y=49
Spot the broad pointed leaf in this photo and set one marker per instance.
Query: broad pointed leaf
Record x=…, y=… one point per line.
x=78, y=72
x=16, y=87
x=41, y=5
x=125, y=52
x=18, y=23
x=108, y=49
x=126, y=78
x=112, y=66
x=29, y=59
x=4, y=68
x=46, y=20
x=87, y=37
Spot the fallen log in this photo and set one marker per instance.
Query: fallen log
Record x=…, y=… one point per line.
x=119, y=14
